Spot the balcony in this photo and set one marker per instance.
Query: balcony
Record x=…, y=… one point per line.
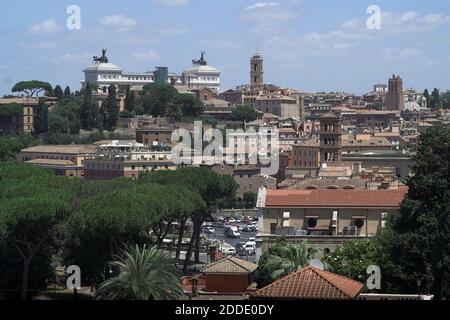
x=319, y=231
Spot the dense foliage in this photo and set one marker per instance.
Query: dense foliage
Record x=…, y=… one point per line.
x=142, y=274
x=244, y=114
x=33, y=87
x=415, y=251
x=10, y=146
x=45, y=219
x=352, y=259
x=282, y=259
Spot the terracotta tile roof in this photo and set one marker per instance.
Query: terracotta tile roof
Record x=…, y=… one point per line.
x=230, y=265
x=335, y=198
x=311, y=283
x=50, y=162
x=66, y=149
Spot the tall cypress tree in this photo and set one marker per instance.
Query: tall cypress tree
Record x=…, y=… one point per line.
x=111, y=114
x=41, y=119
x=67, y=91
x=129, y=100
x=434, y=99
x=58, y=93
x=87, y=112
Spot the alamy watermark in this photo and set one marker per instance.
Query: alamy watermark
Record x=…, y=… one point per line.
x=241, y=147
x=374, y=20
x=73, y=22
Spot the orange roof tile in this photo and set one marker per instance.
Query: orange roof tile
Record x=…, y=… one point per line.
x=230, y=265
x=311, y=283
x=335, y=198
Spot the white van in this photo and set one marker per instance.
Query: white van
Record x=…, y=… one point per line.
x=231, y=232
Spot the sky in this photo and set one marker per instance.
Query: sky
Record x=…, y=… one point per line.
x=309, y=45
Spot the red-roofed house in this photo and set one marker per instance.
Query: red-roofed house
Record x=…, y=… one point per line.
x=228, y=275
x=311, y=283
x=325, y=218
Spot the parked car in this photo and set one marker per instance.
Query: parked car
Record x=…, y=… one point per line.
x=231, y=220
x=250, y=249
x=231, y=232
x=249, y=228
x=209, y=230
x=228, y=250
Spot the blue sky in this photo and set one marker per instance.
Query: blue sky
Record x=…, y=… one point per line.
x=311, y=45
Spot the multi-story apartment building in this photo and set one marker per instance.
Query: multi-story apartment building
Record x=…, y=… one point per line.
x=65, y=160
x=325, y=218
x=124, y=159
x=306, y=154
x=17, y=115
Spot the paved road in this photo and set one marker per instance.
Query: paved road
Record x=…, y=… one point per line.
x=233, y=241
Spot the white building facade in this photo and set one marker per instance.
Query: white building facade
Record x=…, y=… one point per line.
x=103, y=73
x=202, y=76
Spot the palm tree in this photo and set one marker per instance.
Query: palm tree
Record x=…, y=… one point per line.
x=289, y=258
x=143, y=274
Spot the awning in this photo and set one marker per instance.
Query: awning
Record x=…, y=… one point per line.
x=314, y=217
x=358, y=217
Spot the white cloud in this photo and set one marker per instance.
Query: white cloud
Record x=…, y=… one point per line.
x=72, y=57
x=434, y=19
x=39, y=45
x=148, y=55
x=261, y=5
x=119, y=21
x=172, y=31
x=224, y=42
x=410, y=21
x=351, y=24
x=268, y=17
x=394, y=53
x=407, y=16
x=45, y=27
x=172, y=3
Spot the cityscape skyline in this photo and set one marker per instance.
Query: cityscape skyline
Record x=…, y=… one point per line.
x=304, y=46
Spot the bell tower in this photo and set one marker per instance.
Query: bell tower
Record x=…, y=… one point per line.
x=330, y=138
x=256, y=71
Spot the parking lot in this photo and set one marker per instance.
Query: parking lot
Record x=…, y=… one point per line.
x=227, y=241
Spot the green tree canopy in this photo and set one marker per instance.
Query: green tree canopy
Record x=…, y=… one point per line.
x=110, y=109
x=67, y=91
x=250, y=200
x=415, y=251
x=32, y=207
x=352, y=259
x=123, y=212
x=143, y=274
x=89, y=114
x=10, y=146
x=58, y=92
x=31, y=88
x=282, y=259
x=244, y=114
